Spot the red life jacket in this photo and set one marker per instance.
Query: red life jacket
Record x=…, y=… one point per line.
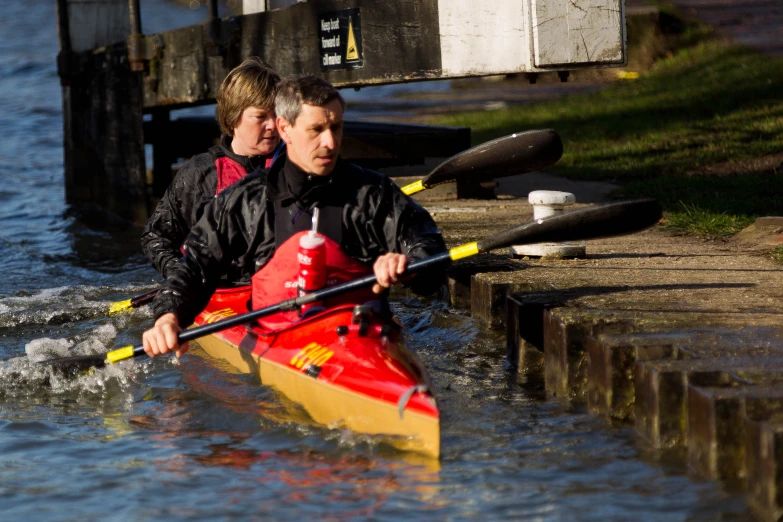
x=277, y=280
x=229, y=172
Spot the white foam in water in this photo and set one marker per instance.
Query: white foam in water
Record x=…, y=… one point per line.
x=48, y=293
x=60, y=305
x=22, y=376
x=90, y=346
x=105, y=333
x=95, y=343
x=39, y=350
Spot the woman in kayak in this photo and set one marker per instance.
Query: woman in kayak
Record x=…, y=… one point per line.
x=366, y=217
x=245, y=111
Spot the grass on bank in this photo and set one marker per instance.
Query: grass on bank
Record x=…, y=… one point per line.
x=689, y=133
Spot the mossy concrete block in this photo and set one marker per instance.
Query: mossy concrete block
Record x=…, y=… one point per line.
x=737, y=342
x=764, y=467
x=611, y=360
x=525, y=327
x=716, y=425
x=610, y=368
x=661, y=404
x=563, y=355
x=564, y=336
x=461, y=272
x=488, y=293
x=524, y=335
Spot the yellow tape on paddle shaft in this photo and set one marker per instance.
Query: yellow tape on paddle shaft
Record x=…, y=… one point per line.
x=120, y=306
x=462, y=251
x=120, y=354
x=413, y=188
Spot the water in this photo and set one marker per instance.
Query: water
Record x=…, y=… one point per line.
x=193, y=440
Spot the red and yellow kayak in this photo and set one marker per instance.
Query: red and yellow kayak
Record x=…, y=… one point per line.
x=347, y=366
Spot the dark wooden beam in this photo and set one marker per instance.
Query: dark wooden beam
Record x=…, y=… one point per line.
x=104, y=140
x=184, y=73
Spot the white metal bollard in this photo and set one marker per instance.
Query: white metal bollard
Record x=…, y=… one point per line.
x=548, y=203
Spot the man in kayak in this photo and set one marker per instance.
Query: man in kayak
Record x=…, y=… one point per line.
x=363, y=214
x=245, y=111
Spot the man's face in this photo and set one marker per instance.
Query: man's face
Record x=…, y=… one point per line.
x=256, y=133
x=314, y=139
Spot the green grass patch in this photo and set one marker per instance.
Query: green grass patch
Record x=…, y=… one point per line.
x=697, y=221
x=659, y=136
x=705, y=105
x=711, y=206
x=777, y=254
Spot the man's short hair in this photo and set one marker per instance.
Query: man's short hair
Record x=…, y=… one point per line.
x=251, y=84
x=292, y=93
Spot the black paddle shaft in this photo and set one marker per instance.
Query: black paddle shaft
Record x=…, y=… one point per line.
x=587, y=223
x=295, y=303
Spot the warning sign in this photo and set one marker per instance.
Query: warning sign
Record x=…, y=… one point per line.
x=340, y=39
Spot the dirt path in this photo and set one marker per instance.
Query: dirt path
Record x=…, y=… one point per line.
x=754, y=23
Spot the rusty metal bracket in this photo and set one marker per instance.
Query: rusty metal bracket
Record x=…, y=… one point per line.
x=143, y=49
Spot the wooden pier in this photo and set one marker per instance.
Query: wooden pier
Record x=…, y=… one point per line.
x=113, y=74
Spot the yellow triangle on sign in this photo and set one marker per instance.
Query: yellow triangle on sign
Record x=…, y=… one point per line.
x=352, y=53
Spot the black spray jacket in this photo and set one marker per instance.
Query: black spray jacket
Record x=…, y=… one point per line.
x=376, y=218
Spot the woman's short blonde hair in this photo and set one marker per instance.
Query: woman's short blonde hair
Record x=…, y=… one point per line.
x=251, y=84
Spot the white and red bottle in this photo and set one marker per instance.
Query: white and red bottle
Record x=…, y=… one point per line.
x=312, y=262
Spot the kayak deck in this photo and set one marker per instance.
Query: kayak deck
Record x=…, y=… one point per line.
x=347, y=366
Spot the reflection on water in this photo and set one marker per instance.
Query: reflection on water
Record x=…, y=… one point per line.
x=226, y=447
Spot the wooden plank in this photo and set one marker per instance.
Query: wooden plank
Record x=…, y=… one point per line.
x=287, y=39
x=253, y=6
x=480, y=38
x=96, y=23
x=588, y=32
x=428, y=39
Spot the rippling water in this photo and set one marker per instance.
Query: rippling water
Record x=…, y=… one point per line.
x=194, y=440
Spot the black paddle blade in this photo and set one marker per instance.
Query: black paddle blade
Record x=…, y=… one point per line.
x=75, y=365
x=614, y=219
x=514, y=154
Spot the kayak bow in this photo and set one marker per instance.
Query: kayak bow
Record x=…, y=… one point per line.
x=346, y=366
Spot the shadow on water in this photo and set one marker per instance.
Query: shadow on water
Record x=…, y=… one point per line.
x=100, y=240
